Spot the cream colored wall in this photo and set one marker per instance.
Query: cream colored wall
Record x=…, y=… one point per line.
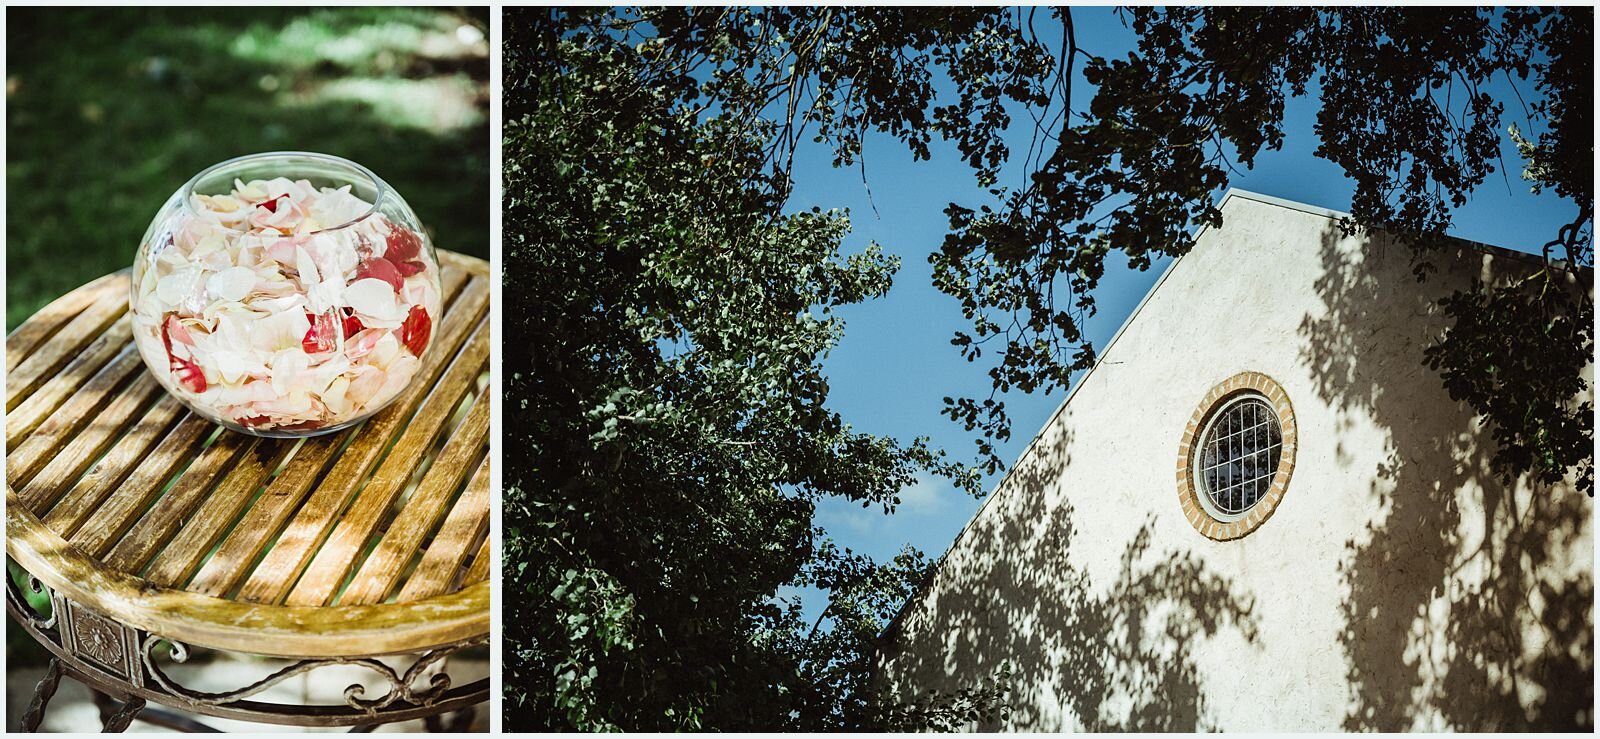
x=1398, y=586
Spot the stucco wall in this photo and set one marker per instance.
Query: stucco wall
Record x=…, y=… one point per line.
x=1398, y=586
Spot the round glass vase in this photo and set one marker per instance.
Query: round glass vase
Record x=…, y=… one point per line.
x=285, y=294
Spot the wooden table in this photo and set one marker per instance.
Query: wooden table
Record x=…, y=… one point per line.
x=154, y=532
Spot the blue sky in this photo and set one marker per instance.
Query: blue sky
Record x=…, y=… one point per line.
x=895, y=363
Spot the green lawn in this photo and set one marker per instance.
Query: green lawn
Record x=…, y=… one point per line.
x=110, y=111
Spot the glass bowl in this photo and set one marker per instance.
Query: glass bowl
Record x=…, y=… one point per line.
x=285, y=294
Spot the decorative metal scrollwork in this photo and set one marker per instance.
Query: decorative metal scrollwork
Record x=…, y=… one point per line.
x=400, y=685
x=20, y=604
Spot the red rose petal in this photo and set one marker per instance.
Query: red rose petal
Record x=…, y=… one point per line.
x=404, y=245
x=188, y=375
x=320, y=338
x=352, y=326
x=272, y=204
x=166, y=337
x=381, y=269
x=414, y=333
x=410, y=268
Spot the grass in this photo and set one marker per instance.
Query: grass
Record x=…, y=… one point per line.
x=110, y=111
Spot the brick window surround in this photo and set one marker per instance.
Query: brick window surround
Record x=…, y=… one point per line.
x=1189, y=497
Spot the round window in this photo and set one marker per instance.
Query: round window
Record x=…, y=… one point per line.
x=1239, y=456
x=1236, y=456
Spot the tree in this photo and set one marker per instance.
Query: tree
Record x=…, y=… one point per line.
x=667, y=423
x=1404, y=112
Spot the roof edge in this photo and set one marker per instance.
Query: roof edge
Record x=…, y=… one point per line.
x=1490, y=249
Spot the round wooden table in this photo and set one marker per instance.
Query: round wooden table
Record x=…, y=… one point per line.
x=147, y=532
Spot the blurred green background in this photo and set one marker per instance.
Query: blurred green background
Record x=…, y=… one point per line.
x=111, y=110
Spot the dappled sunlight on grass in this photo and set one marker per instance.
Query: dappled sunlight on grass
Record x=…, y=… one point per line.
x=383, y=44
x=110, y=111
x=438, y=104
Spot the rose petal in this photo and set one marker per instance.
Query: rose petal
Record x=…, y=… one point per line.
x=364, y=385
x=396, y=378
x=403, y=245
x=231, y=366
x=188, y=375
x=276, y=332
x=286, y=368
x=323, y=335
x=381, y=269
x=416, y=331
x=362, y=344
x=384, y=354
x=307, y=267
x=334, y=396
x=257, y=422
x=352, y=325
x=175, y=288
x=253, y=192
x=374, y=301
x=284, y=251
x=233, y=283
x=174, y=330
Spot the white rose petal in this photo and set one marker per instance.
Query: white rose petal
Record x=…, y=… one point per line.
x=179, y=286
x=309, y=274
x=397, y=377
x=374, y=300
x=279, y=331
x=334, y=396
x=232, y=283
x=209, y=243
x=286, y=368
x=253, y=192
x=231, y=366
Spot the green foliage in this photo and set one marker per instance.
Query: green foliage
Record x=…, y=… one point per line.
x=1527, y=383
x=666, y=413
x=1405, y=112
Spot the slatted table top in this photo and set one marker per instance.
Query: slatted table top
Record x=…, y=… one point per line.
x=367, y=541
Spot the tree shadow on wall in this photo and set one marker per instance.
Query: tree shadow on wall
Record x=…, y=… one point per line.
x=1469, y=602
x=1114, y=658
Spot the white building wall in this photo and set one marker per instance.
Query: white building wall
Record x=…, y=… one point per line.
x=1399, y=585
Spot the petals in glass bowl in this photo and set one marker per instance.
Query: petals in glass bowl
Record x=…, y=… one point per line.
x=281, y=307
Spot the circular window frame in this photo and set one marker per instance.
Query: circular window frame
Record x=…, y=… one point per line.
x=1195, y=503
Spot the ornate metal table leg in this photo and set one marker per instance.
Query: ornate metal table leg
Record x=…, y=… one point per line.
x=34, y=715
x=124, y=716
x=105, y=703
